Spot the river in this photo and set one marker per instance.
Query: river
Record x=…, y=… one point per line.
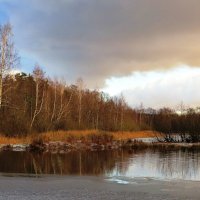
x=116, y=164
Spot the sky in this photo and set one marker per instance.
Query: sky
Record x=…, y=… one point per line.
x=148, y=50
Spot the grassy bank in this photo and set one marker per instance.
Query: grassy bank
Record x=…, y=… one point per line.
x=70, y=136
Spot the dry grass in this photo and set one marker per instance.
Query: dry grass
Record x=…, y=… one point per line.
x=12, y=140
x=132, y=135
x=79, y=135
x=68, y=135
x=75, y=135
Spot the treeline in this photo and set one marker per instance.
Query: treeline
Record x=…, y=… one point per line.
x=178, y=127
x=35, y=103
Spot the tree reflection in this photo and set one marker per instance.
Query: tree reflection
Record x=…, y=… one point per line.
x=179, y=164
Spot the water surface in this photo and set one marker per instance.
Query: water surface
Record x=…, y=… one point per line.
x=118, y=164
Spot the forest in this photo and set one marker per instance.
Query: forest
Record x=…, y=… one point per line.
x=35, y=103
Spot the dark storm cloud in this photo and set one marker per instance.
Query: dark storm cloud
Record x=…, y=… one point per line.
x=97, y=39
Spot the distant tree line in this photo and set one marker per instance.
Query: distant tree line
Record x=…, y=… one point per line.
x=178, y=127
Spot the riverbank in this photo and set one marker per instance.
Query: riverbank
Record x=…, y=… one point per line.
x=92, y=140
x=64, y=141
x=84, y=187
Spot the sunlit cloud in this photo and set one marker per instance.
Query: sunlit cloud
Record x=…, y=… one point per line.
x=158, y=88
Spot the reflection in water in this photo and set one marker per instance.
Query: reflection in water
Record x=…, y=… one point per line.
x=176, y=164
x=80, y=163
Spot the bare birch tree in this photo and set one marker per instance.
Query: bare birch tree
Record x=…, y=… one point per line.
x=38, y=75
x=8, y=55
x=60, y=102
x=80, y=94
x=122, y=105
x=141, y=111
x=64, y=105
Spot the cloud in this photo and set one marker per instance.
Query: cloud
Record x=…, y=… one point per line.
x=100, y=39
x=158, y=88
